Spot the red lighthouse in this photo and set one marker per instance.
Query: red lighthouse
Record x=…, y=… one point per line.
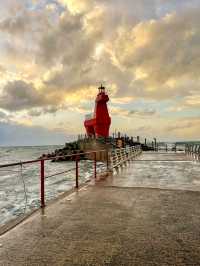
x=98, y=124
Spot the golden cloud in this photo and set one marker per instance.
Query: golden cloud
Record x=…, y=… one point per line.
x=160, y=53
x=77, y=7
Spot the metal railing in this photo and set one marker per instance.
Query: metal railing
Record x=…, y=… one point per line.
x=76, y=157
x=193, y=150
x=167, y=147
x=112, y=160
x=119, y=156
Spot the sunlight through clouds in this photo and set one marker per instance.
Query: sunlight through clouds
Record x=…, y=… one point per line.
x=54, y=55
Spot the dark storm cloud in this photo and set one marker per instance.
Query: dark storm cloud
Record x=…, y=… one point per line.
x=59, y=41
x=19, y=95
x=15, y=25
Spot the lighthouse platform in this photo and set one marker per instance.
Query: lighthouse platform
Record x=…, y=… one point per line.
x=147, y=213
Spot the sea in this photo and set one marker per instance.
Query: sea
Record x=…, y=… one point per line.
x=20, y=185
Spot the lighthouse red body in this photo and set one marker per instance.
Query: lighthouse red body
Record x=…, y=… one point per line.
x=99, y=124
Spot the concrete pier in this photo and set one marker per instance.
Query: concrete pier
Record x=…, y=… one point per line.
x=146, y=214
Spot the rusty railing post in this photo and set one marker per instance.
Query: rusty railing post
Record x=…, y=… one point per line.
x=95, y=165
x=77, y=183
x=42, y=184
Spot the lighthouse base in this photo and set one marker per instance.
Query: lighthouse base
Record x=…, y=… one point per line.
x=94, y=145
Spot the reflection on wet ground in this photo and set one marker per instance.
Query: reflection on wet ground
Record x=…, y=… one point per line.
x=159, y=170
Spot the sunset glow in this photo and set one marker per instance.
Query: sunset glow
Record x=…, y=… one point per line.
x=55, y=53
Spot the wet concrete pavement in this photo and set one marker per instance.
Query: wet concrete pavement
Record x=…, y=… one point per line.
x=166, y=171
x=115, y=222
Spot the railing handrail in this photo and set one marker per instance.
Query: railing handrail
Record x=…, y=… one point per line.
x=49, y=159
x=120, y=156
x=192, y=149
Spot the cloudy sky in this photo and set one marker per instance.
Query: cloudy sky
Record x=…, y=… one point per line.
x=55, y=53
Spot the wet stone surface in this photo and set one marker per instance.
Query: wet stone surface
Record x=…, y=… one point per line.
x=113, y=223
x=165, y=171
